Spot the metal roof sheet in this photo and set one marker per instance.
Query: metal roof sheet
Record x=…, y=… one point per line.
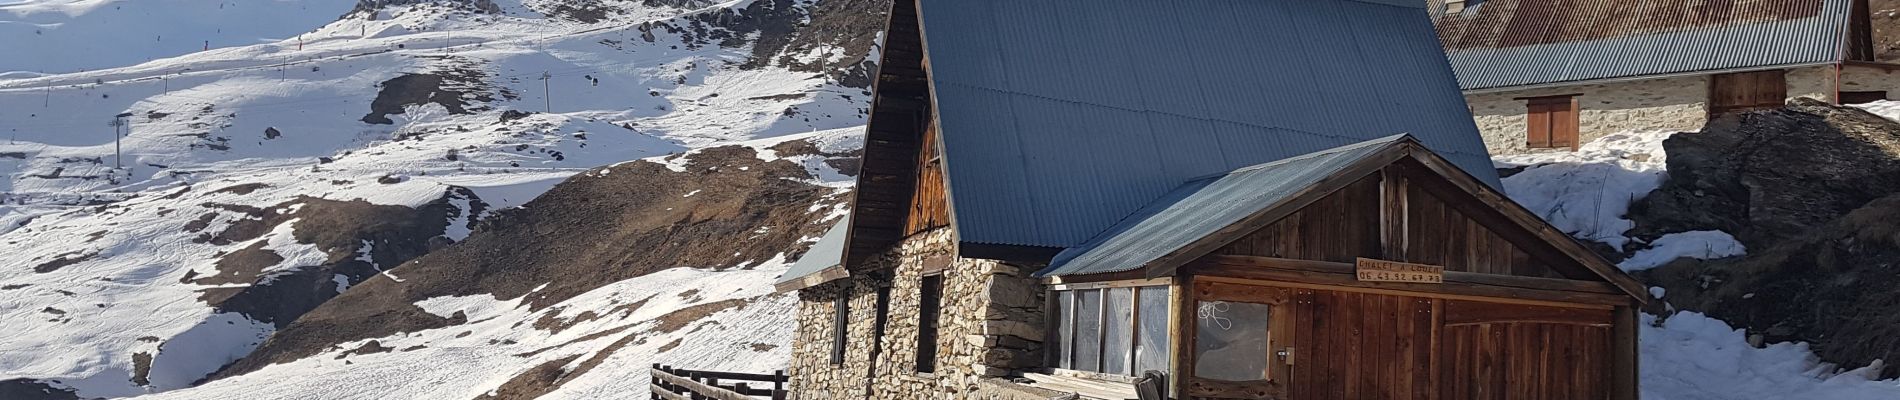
x=1062, y=117
x=1502, y=43
x=1201, y=207
x=826, y=253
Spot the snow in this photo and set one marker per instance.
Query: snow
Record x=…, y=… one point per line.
x=1586, y=192
x=1694, y=357
x=1888, y=109
x=1702, y=245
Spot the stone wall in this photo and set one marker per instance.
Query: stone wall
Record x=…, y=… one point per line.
x=1665, y=103
x=1811, y=82
x=991, y=326
x=1860, y=78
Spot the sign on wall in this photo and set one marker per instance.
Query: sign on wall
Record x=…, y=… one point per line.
x=1370, y=270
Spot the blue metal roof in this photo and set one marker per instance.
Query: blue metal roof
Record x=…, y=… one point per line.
x=826, y=253
x=1062, y=117
x=1503, y=43
x=1201, y=207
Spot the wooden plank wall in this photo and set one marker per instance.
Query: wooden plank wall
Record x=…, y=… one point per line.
x=1361, y=346
x=928, y=208
x=1340, y=227
x=1352, y=345
x=1346, y=225
x=899, y=110
x=1439, y=234
x=1491, y=351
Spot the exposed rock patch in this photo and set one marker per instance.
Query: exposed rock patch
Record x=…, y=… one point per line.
x=1813, y=192
x=592, y=230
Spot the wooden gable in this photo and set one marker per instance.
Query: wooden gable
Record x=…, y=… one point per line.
x=1415, y=208
x=1403, y=214
x=900, y=158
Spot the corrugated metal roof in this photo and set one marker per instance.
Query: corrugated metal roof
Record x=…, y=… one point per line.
x=1200, y=208
x=1500, y=43
x=826, y=253
x=1062, y=117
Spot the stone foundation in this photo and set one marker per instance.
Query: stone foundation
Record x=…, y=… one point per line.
x=1857, y=78
x=991, y=327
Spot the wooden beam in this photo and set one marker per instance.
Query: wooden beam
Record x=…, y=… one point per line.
x=828, y=274
x=663, y=393
x=710, y=391
x=1392, y=212
x=1326, y=275
x=1623, y=348
x=1057, y=285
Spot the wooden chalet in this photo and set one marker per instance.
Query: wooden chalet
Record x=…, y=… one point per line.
x=1203, y=199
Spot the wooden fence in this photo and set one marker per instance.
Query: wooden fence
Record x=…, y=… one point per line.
x=683, y=384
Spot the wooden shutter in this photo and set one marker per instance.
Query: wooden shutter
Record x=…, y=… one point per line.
x=1744, y=91
x=1552, y=122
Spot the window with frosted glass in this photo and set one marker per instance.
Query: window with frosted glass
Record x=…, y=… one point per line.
x=1230, y=342
x=1119, y=331
x=1088, y=330
x=1151, y=336
x=1065, y=306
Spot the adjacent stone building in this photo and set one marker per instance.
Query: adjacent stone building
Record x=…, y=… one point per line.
x=1553, y=74
x=1059, y=202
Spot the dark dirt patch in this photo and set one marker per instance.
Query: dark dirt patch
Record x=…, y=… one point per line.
x=763, y=347
x=33, y=389
x=1812, y=191
x=457, y=90
x=340, y=229
x=1769, y=176
x=673, y=321
x=141, y=368
x=272, y=133
x=553, y=323
x=587, y=232
x=1834, y=288
x=668, y=346
x=63, y=261
x=203, y=221
x=15, y=286
x=370, y=347
x=533, y=383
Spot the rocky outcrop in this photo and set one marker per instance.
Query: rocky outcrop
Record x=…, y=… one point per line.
x=1813, y=191
x=1769, y=176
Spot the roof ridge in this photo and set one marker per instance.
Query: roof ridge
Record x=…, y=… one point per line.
x=1341, y=149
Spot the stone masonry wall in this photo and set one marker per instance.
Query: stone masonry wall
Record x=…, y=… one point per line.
x=1858, y=78
x=1811, y=82
x=991, y=326
x=1603, y=109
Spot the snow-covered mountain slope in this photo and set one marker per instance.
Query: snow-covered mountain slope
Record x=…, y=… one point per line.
x=253, y=183
x=65, y=36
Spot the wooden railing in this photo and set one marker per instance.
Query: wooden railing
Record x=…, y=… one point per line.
x=683, y=384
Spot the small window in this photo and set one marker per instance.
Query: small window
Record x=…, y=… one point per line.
x=1230, y=342
x=877, y=327
x=1860, y=97
x=840, y=326
x=928, y=322
x=1551, y=122
x=1119, y=331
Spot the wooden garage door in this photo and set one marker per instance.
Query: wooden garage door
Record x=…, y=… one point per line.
x=1743, y=91
x=1498, y=351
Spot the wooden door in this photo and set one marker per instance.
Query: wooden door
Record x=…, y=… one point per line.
x=1500, y=351
x=1744, y=91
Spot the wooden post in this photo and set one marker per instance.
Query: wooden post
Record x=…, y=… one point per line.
x=655, y=381
x=695, y=377
x=778, y=384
